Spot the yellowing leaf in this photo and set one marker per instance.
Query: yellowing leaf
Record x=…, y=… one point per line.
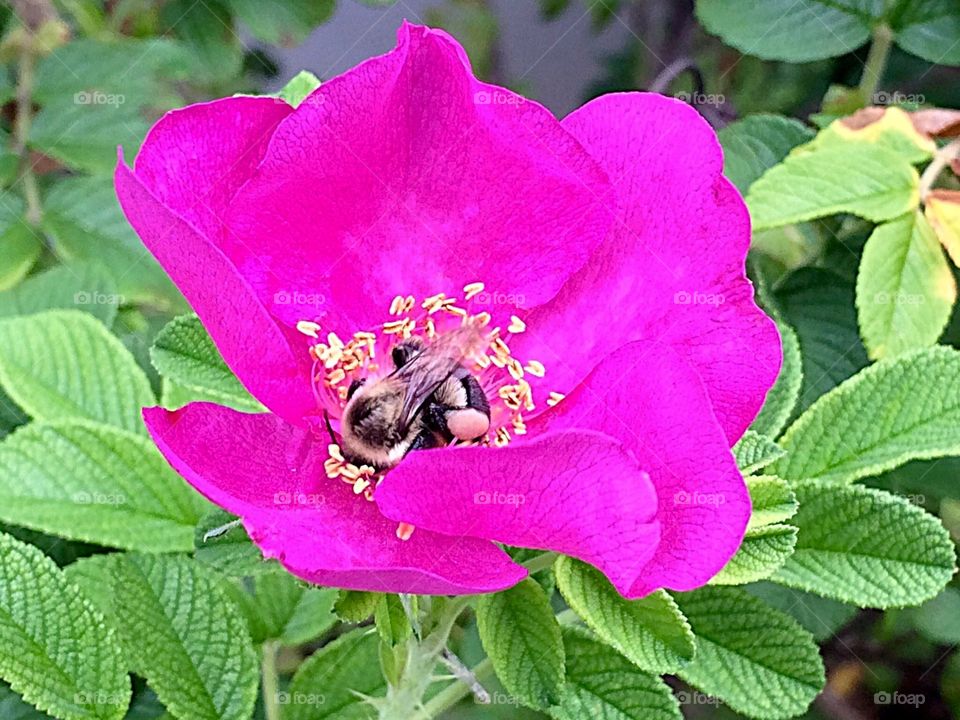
x=942, y=209
x=888, y=127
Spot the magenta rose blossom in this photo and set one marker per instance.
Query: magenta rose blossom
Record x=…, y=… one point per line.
x=596, y=264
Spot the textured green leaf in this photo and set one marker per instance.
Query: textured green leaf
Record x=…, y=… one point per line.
x=301, y=85
x=772, y=499
x=21, y=245
x=522, y=637
x=819, y=305
x=12, y=706
x=184, y=636
x=858, y=178
x=754, y=658
x=355, y=606
x=391, y=620
x=94, y=575
x=822, y=617
x=285, y=609
x=791, y=30
x=603, y=685
x=287, y=23
x=87, y=481
x=332, y=680
x=184, y=353
x=866, y=547
x=754, y=451
x=84, y=218
x=782, y=397
x=58, y=652
x=905, y=288
x=228, y=550
x=763, y=551
x=930, y=28
x=650, y=632
x=64, y=363
x=76, y=286
x=756, y=143
x=900, y=409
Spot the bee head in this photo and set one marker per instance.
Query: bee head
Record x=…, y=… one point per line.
x=371, y=419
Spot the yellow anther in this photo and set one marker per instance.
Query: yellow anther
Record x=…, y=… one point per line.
x=516, y=325
x=308, y=328
x=472, y=289
x=554, y=398
x=535, y=368
x=405, y=530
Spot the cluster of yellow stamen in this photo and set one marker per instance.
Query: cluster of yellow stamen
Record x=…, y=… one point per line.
x=338, y=362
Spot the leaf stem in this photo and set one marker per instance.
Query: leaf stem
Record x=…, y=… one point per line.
x=455, y=692
x=21, y=131
x=876, y=62
x=268, y=671
x=941, y=159
x=540, y=562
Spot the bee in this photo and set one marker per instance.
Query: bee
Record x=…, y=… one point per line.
x=429, y=400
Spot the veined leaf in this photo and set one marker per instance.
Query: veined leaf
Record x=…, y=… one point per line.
x=651, y=632
x=782, y=397
x=905, y=288
x=355, y=606
x=183, y=352
x=285, y=609
x=522, y=637
x=64, y=363
x=822, y=617
x=228, y=550
x=21, y=244
x=604, y=685
x=756, y=143
x=763, y=551
x=332, y=683
x=772, y=499
x=58, y=652
x=866, y=547
x=73, y=286
x=858, y=178
x=299, y=87
x=754, y=452
x=87, y=481
x=186, y=638
x=754, y=658
x=901, y=409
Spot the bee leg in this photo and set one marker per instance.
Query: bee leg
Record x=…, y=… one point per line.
x=424, y=441
x=463, y=423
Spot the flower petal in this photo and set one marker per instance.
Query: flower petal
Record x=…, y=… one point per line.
x=408, y=175
x=649, y=398
x=251, y=342
x=672, y=269
x=271, y=474
x=575, y=492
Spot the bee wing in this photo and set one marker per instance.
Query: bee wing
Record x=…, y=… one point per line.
x=427, y=370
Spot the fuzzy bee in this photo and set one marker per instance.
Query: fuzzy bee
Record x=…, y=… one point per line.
x=429, y=400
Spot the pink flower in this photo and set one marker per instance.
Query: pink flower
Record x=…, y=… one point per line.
x=611, y=236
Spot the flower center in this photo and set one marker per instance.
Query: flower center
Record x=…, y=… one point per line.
x=367, y=364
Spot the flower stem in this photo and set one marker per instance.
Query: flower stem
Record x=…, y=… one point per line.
x=455, y=692
x=21, y=131
x=540, y=562
x=876, y=62
x=268, y=671
x=941, y=159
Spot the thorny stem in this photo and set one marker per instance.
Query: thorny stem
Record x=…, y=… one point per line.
x=268, y=670
x=941, y=159
x=876, y=62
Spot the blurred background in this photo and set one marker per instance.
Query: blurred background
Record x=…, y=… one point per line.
x=79, y=77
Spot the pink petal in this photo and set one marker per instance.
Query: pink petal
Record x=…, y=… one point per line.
x=650, y=399
x=253, y=345
x=575, y=492
x=408, y=175
x=672, y=269
x=271, y=474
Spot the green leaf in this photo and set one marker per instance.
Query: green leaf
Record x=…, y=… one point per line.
x=355, y=606
x=772, y=499
x=287, y=23
x=333, y=681
x=763, y=551
x=753, y=452
x=84, y=218
x=86, y=481
x=183, y=352
x=228, y=550
x=651, y=632
x=821, y=616
x=938, y=619
x=21, y=245
x=285, y=609
x=301, y=85
x=74, y=286
x=184, y=636
x=866, y=547
x=58, y=652
x=790, y=30
x=754, y=658
x=905, y=288
x=12, y=706
x=901, y=409
x=64, y=363
x=930, y=28
x=603, y=685
x=858, y=178
x=756, y=143
x=391, y=620
x=782, y=397
x=819, y=305
x=94, y=575
x=522, y=637
x=207, y=30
